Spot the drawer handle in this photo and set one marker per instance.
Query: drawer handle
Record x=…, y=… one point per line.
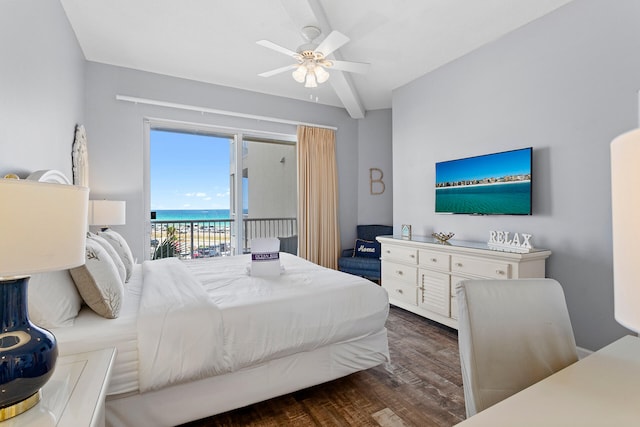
x=458, y=264
x=388, y=251
x=399, y=291
x=500, y=272
x=412, y=256
x=399, y=272
x=433, y=260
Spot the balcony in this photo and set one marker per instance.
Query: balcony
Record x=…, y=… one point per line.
x=188, y=239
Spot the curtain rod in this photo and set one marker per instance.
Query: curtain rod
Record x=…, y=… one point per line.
x=146, y=101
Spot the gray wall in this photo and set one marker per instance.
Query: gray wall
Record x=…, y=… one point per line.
x=115, y=134
x=41, y=87
x=374, y=151
x=565, y=85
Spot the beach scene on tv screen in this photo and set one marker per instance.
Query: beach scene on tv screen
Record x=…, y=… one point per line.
x=497, y=183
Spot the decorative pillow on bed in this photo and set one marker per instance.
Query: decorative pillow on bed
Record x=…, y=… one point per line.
x=112, y=253
x=54, y=301
x=98, y=281
x=366, y=249
x=122, y=248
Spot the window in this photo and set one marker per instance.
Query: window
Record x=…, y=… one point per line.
x=194, y=194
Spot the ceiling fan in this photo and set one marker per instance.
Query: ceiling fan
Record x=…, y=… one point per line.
x=311, y=59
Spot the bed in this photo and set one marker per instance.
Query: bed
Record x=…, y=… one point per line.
x=196, y=338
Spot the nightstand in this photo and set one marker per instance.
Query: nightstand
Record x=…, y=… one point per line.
x=74, y=396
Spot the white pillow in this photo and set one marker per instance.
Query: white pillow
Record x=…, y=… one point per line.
x=122, y=248
x=53, y=299
x=112, y=253
x=98, y=281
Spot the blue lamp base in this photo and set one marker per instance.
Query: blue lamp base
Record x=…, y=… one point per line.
x=28, y=353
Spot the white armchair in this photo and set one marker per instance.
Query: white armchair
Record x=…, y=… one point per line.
x=511, y=334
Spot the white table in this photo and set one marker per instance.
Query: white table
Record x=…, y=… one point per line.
x=74, y=395
x=603, y=389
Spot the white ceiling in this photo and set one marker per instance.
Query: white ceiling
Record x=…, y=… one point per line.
x=214, y=41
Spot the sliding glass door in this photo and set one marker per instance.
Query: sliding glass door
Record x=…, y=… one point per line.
x=270, y=191
x=209, y=195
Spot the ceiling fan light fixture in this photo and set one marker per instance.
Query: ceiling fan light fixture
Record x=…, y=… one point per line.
x=312, y=66
x=300, y=73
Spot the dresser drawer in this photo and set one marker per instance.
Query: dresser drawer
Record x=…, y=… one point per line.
x=401, y=291
x=436, y=260
x=394, y=271
x=480, y=267
x=408, y=255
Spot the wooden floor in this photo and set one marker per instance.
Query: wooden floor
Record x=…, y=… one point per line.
x=422, y=387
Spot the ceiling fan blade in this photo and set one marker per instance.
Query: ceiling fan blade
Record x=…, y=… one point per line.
x=334, y=41
x=351, y=67
x=276, y=47
x=278, y=70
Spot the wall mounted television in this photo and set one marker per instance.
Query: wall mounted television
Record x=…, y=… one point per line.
x=491, y=184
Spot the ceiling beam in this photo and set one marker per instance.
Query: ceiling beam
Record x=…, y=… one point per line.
x=343, y=86
x=340, y=81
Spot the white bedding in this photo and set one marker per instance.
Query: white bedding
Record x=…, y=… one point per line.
x=261, y=319
x=305, y=308
x=247, y=320
x=180, y=330
x=93, y=332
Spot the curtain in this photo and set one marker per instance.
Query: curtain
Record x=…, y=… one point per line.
x=318, y=233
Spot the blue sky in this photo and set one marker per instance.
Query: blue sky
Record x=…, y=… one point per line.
x=499, y=164
x=189, y=171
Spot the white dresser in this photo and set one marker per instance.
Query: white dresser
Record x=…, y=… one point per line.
x=420, y=274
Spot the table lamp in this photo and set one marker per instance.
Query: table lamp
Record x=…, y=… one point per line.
x=43, y=228
x=625, y=206
x=104, y=213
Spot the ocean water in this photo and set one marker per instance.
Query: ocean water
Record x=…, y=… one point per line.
x=192, y=214
x=510, y=198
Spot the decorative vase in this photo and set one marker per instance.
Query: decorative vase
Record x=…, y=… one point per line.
x=28, y=353
x=443, y=237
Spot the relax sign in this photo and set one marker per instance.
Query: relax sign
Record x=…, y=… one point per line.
x=506, y=241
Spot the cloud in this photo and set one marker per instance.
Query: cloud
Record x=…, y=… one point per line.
x=198, y=194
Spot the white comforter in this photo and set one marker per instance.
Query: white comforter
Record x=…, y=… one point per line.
x=179, y=328
x=205, y=317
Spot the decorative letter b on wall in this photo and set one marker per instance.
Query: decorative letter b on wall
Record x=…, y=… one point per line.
x=375, y=180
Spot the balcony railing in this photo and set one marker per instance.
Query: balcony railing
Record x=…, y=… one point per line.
x=200, y=239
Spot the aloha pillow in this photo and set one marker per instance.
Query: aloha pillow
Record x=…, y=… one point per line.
x=53, y=299
x=112, y=253
x=122, y=248
x=98, y=281
x=366, y=249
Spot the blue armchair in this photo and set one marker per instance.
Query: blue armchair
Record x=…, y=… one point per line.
x=364, y=259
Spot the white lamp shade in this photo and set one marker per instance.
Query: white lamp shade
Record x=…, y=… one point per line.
x=299, y=73
x=321, y=74
x=42, y=225
x=311, y=80
x=625, y=209
x=107, y=212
